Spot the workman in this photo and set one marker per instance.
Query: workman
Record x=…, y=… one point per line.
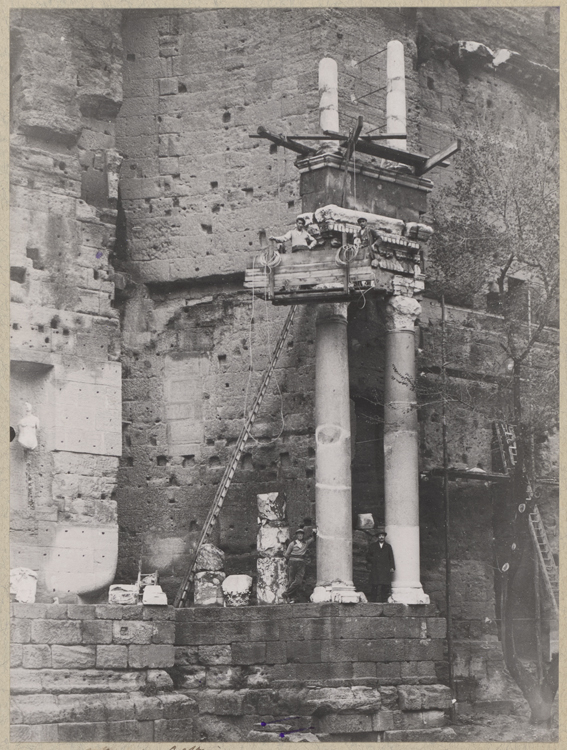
x=297, y=556
x=300, y=237
x=369, y=240
x=381, y=566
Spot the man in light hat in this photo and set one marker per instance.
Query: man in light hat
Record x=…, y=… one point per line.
x=380, y=563
x=296, y=555
x=369, y=240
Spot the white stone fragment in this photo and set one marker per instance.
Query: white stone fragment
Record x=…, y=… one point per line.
x=271, y=540
x=154, y=595
x=272, y=580
x=123, y=594
x=209, y=557
x=365, y=521
x=23, y=583
x=208, y=589
x=237, y=590
x=272, y=506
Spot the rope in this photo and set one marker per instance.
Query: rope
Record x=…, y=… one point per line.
x=346, y=254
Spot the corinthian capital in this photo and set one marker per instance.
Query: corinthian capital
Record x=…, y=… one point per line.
x=401, y=313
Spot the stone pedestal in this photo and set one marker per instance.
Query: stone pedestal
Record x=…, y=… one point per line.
x=333, y=455
x=237, y=590
x=272, y=580
x=208, y=589
x=401, y=471
x=273, y=535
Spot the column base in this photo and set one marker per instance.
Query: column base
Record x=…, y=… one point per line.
x=407, y=595
x=345, y=593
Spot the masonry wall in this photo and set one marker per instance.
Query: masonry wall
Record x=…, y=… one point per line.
x=66, y=73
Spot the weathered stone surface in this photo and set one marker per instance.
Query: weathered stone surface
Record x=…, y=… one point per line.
x=409, y=698
x=209, y=557
x=272, y=580
x=272, y=540
x=209, y=655
x=113, y=656
x=237, y=590
x=345, y=723
x=271, y=506
x=342, y=699
x=36, y=657
x=151, y=656
x=73, y=657
x=445, y=734
x=208, y=589
x=132, y=632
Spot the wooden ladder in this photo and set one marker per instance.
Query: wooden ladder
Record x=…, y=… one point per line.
x=507, y=444
x=183, y=591
x=545, y=556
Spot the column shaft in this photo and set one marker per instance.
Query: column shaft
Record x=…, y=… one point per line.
x=401, y=446
x=332, y=464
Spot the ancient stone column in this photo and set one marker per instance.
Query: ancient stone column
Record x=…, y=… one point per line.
x=328, y=100
x=332, y=462
x=401, y=474
x=396, y=93
x=273, y=533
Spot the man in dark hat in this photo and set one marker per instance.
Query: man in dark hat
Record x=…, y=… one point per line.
x=380, y=563
x=369, y=239
x=296, y=555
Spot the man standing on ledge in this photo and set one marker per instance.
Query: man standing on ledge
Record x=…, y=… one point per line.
x=300, y=237
x=296, y=555
x=380, y=562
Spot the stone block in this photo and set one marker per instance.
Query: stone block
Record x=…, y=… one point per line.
x=271, y=581
x=74, y=708
x=90, y=681
x=108, y=611
x=25, y=610
x=136, y=632
x=73, y=657
x=341, y=650
x=159, y=680
x=424, y=650
x=229, y=703
x=364, y=669
x=208, y=589
x=176, y=706
x=193, y=678
x=56, y=631
x=23, y=681
x=83, y=732
x=36, y=657
x=345, y=723
x=34, y=709
x=111, y=657
x=389, y=697
x=16, y=654
x=271, y=540
x=223, y=677
x=34, y=733
x=153, y=656
x=305, y=652
x=276, y=652
x=388, y=670
x=147, y=708
x=257, y=677
x=409, y=698
x=209, y=558
x=210, y=655
x=187, y=655
x=56, y=612
x=442, y=734
x=163, y=632
x=173, y=730
x=130, y=731
x=435, y=696
x=20, y=631
x=271, y=506
x=436, y=627
x=97, y=631
x=117, y=707
x=81, y=611
x=342, y=699
x=151, y=612
x=382, y=720
x=248, y=653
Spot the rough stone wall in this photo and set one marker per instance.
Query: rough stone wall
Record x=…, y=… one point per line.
x=66, y=89
x=86, y=673
x=366, y=670
x=185, y=396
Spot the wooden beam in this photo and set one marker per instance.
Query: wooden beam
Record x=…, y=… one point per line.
x=438, y=158
x=338, y=137
x=283, y=140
